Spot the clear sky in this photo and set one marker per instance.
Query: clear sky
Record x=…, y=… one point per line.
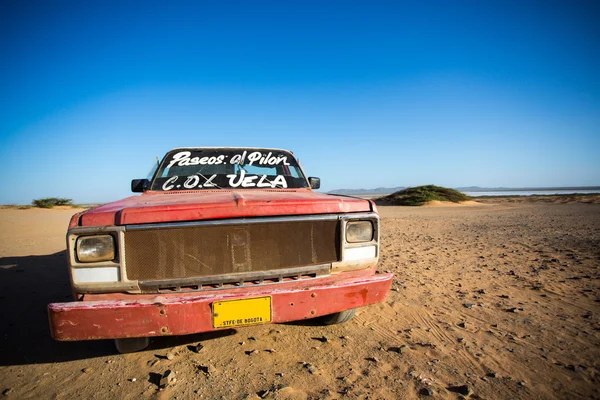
x=366, y=94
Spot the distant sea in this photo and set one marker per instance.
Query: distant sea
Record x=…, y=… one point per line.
x=528, y=192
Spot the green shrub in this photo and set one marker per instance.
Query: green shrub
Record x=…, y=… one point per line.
x=50, y=202
x=419, y=195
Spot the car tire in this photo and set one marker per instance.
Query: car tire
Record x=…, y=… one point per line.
x=339, y=317
x=131, y=345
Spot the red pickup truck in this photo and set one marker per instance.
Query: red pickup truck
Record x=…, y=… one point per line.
x=219, y=238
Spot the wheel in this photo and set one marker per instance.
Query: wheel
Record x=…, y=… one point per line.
x=339, y=317
x=131, y=345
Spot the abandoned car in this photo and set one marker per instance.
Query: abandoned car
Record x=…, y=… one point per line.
x=219, y=238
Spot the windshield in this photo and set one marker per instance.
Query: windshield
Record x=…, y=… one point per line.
x=195, y=169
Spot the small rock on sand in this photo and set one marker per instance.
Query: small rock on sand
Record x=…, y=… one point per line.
x=171, y=354
x=208, y=369
x=426, y=391
x=168, y=378
x=197, y=348
x=399, y=349
x=465, y=390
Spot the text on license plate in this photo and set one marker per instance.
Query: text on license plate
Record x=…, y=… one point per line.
x=231, y=313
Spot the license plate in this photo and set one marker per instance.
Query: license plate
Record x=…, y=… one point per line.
x=232, y=313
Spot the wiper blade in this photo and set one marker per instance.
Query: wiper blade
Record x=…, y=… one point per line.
x=206, y=180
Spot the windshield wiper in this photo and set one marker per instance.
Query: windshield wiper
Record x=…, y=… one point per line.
x=206, y=180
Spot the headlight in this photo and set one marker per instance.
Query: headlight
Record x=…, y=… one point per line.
x=359, y=231
x=95, y=248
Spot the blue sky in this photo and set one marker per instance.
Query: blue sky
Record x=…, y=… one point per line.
x=366, y=94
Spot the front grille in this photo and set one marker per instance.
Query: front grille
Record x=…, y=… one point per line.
x=210, y=250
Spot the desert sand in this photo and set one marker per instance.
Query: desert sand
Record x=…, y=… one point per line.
x=495, y=301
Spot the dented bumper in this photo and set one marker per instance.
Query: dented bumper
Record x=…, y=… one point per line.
x=117, y=316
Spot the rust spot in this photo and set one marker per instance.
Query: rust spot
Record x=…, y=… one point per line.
x=164, y=330
x=312, y=312
x=362, y=293
x=313, y=295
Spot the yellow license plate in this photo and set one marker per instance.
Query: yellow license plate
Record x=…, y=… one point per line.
x=232, y=313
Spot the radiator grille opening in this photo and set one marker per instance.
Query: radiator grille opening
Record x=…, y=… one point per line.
x=211, y=250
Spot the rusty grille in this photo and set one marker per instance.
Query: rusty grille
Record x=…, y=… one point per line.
x=211, y=250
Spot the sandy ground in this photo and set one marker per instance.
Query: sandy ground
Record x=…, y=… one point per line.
x=504, y=299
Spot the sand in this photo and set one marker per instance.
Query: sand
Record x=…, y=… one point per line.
x=504, y=299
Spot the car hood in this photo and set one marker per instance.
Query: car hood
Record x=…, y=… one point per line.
x=157, y=207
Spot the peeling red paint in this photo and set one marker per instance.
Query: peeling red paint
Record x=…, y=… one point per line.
x=191, y=313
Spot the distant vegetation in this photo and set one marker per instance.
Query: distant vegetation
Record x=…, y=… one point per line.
x=388, y=190
x=362, y=192
x=419, y=195
x=51, y=202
